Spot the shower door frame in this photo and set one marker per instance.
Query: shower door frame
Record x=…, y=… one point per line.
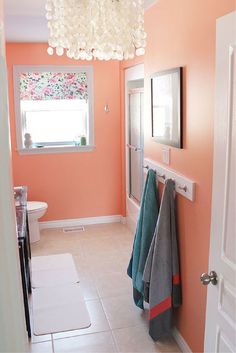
x=137, y=149
x=132, y=207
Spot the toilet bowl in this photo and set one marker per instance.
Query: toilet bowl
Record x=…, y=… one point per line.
x=35, y=210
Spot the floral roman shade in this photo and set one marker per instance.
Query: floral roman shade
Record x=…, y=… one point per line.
x=53, y=85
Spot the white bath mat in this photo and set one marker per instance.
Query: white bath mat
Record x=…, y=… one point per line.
x=52, y=262
x=49, y=278
x=53, y=270
x=58, y=309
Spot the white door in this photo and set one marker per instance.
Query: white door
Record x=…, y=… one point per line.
x=13, y=336
x=220, y=334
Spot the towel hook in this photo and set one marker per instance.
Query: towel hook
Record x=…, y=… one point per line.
x=161, y=176
x=184, y=188
x=180, y=187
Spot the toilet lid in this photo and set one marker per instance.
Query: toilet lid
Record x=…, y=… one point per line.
x=35, y=205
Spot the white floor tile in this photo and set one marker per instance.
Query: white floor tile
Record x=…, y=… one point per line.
x=137, y=340
x=44, y=347
x=113, y=284
x=101, y=255
x=94, y=343
x=40, y=338
x=121, y=312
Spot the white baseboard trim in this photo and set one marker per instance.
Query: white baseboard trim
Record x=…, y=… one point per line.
x=123, y=220
x=181, y=341
x=81, y=221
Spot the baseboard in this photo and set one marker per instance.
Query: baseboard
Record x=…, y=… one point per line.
x=81, y=221
x=122, y=219
x=181, y=341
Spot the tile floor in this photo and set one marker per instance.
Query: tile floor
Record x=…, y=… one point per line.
x=101, y=254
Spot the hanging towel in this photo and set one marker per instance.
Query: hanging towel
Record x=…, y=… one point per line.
x=143, y=237
x=161, y=274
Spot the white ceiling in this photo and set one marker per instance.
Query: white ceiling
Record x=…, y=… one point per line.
x=25, y=20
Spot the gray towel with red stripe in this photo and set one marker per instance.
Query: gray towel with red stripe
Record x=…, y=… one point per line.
x=162, y=289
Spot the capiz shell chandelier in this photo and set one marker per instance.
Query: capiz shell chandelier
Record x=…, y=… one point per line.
x=101, y=29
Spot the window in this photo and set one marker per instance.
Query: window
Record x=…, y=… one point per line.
x=54, y=109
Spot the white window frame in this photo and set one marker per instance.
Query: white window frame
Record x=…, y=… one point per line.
x=17, y=69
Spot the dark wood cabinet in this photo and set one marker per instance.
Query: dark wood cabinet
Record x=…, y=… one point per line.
x=24, y=249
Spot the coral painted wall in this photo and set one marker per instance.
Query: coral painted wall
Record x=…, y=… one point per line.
x=182, y=33
x=74, y=185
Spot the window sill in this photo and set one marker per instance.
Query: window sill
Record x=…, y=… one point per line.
x=52, y=150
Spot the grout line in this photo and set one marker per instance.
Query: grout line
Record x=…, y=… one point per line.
x=52, y=341
x=103, y=308
x=82, y=253
x=80, y=335
x=115, y=342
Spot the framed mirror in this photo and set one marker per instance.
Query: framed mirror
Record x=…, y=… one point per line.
x=166, y=107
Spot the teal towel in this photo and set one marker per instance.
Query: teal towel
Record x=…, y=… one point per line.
x=143, y=236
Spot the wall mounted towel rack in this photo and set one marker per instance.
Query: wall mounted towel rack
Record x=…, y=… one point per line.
x=183, y=185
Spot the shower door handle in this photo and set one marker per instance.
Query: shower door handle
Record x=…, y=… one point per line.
x=134, y=148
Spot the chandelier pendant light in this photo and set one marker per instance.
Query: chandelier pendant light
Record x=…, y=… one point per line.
x=101, y=29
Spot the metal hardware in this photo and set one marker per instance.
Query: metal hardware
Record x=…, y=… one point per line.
x=134, y=147
x=211, y=278
x=183, y=185
x=184, y=188
x=106, y=109
x=161, y=176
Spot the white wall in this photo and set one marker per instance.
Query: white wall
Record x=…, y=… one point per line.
x=12, y=322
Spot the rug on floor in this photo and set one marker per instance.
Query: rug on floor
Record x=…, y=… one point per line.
x=53, y=270
x=58, y=303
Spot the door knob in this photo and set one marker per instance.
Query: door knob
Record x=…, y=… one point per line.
x=209, y=278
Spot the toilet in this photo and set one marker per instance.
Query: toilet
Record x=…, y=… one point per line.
x=35, y=210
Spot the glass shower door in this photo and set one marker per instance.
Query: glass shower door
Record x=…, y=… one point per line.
x=135, y=144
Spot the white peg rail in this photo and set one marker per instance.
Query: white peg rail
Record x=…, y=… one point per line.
x=183, y=185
